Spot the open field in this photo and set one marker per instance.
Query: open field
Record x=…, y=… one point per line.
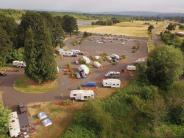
x=26, y=86
x=135, y=28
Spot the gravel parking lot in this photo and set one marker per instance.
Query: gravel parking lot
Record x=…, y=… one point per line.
x=91, y=48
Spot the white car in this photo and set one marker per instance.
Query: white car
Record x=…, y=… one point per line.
x=112, y=73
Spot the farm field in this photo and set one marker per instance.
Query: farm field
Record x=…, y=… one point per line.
x=135, y=28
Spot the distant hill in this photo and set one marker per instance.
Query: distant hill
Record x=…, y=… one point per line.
x=146, y=14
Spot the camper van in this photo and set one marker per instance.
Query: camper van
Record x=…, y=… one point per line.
x=82, y=95
x=112, y=83
x=131, y=67
x=19, y=64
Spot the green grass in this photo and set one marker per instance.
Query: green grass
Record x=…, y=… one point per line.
x=23, y=85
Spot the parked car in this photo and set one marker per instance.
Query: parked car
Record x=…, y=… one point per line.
x=2, y=74
x=89, y=84
x=131, y=67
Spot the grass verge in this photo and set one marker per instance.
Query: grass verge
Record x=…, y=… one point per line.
x=27, y=86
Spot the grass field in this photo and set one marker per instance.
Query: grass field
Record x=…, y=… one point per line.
x=136, y=28
x=26, y=86
x=61, y=113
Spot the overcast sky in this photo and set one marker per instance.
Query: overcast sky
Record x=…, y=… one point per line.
x=96, y=5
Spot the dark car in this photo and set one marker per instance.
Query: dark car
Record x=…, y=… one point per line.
x=3, y=74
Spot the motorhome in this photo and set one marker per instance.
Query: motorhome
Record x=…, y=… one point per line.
x=131, y=67
x=112, y=83
x=82, y=95
x=20, y=64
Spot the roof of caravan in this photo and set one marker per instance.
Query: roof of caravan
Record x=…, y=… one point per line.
x=14, y=126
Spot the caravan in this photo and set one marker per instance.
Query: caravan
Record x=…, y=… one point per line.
x=19, y=64
x=66, y=53
x=82, y=95
x=112, y=83
x=131, y=68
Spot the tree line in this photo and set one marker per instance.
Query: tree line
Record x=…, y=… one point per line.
x=34, y=40
x=107, y=22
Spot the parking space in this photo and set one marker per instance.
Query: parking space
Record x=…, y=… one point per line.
x=91, y=47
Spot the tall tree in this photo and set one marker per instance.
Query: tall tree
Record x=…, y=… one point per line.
x=69, y=24
x=165, y=65
x=150, y=28
x=5, y=46
x=57, y=32
x=10, y=26
x=171, y=27
x=39, y=54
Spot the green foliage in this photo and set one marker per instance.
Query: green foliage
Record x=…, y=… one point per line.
x=41, y=65
x=171, y=27
x=4, y=116
x=107, y=22
x=10, y=26
x=165, y=66
x=171, y=39
x=5, y=46
x=150, y=28
x=129, y=113
x=69, y=24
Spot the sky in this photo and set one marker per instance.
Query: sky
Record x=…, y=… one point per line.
x=96, y=5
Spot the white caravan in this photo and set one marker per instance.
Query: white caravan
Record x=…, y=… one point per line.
x=112, y=83
x=97, y=64
x=14, y=125
x=82, y=95
x=86, y=59
x=131, y=67
x=20, y=64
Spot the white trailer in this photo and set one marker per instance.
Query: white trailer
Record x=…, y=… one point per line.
x=97, y=64
x=14, y=125
x=86, y=59
x=82, y=95
x=67, y=53
x=131, y=67
x=20, y=64
x=112, y=83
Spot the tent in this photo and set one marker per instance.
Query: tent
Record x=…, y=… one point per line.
x=42, y=115
x=84, y=68
x=46, y=122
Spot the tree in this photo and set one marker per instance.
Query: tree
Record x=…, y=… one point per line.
x=39, y=55
x=10, y=26
x=150, y=28
x=69, y=24
x=5, y=46
x=57, y=32
x=4, y=116
x=171, y=27
x=164, y=66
